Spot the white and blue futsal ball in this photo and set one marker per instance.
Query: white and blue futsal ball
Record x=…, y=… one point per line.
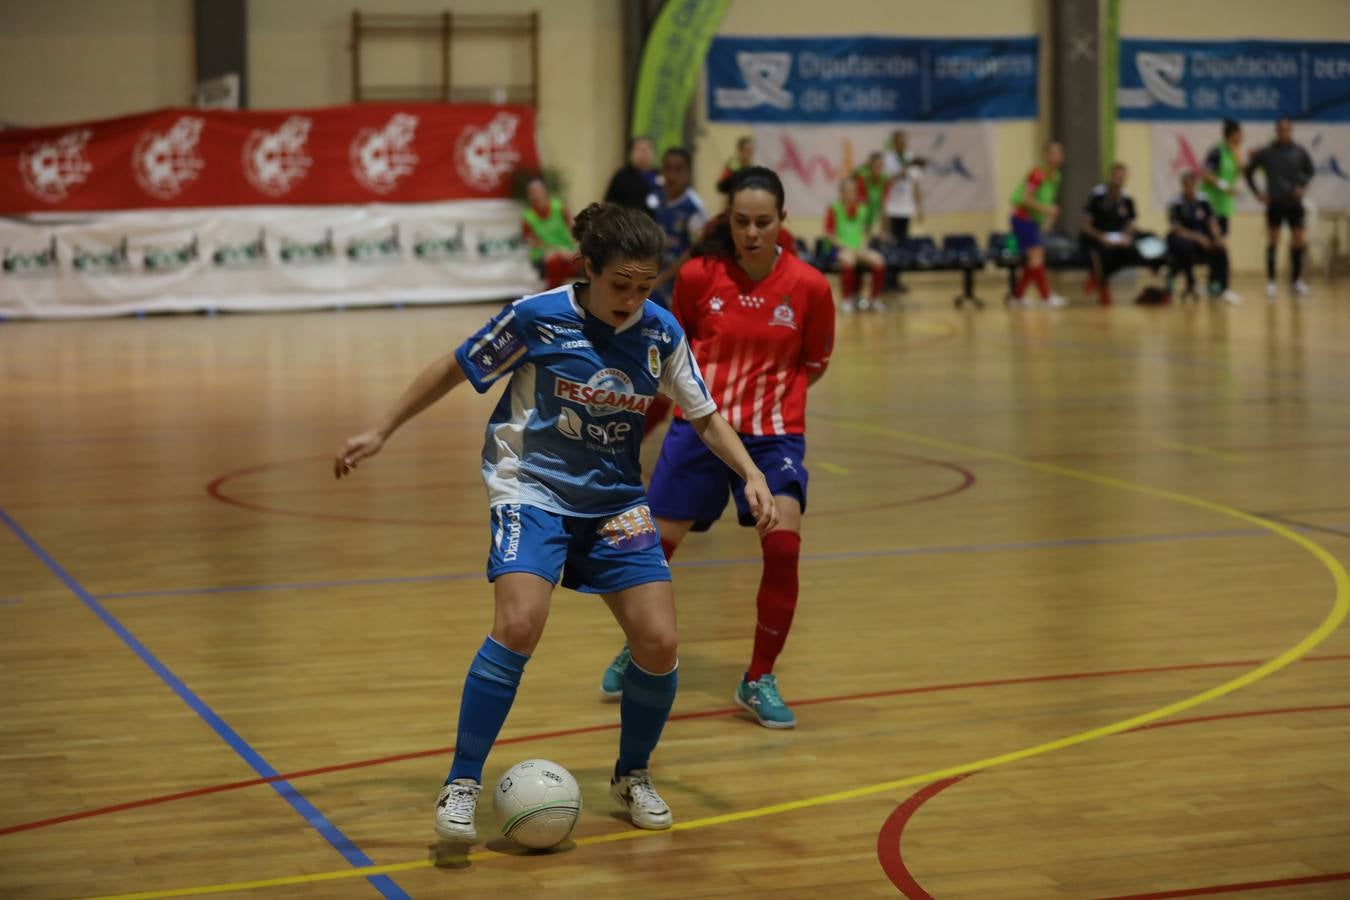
x=538, y=803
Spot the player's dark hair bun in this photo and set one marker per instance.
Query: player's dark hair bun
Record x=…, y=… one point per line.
x=605, y=232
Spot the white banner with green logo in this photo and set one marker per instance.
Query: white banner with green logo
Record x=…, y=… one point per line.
x=671, y=60
x=261, y=258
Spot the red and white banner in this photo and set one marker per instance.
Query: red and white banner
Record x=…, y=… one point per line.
x=366, y=153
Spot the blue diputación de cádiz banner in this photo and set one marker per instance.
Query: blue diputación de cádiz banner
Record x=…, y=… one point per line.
x=871, y=79
x=1191, y=80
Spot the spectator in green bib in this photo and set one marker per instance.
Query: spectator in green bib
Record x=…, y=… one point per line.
x=1219, y=177
x=872, y=184
x=744, y=158
x=847, y=223
x=548, y=232
x=1034, y=212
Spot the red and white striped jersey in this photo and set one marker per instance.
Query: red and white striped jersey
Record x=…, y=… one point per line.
x=756, y=342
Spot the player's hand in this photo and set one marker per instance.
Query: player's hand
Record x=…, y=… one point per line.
x=1264, y=198
x=760, y=501
x=1298, y=192
x=355, y=450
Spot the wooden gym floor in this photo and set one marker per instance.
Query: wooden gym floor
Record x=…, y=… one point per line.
x=1094, y=557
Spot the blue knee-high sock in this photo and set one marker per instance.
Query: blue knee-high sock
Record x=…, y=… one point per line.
x=489, y=690
x=643, y=711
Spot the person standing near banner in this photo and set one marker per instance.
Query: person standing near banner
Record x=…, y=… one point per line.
x=1288, y=169
x=744, y=158
x=872, y=184
x=1223, y=167
x=904, y=197
x=634, y=186
x=681, y=215
x=1034, y=210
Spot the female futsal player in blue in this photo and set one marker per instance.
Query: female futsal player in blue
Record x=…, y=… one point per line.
x=565, y=489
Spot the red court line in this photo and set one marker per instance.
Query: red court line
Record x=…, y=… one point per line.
x=891, y=857
x=1171, y=723
x=613, y=726
x=1235, y=888
x=216, y=490
x=893, y=863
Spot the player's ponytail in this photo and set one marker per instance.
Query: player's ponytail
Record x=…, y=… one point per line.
x=718, y=241
x=606, y=232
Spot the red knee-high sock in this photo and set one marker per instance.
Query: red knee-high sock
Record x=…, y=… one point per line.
x=878, y=281
x=1042, y=282
x=668, y=548
x=777, y=600
x=1023, y=278
x=850, y=278
x=656, y=413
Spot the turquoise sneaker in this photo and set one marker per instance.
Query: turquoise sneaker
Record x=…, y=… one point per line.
x=611, y=685
x=761, y=698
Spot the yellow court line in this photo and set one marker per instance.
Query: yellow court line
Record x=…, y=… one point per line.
x=832, y=467
x=1337, y=614
x=1201, y=451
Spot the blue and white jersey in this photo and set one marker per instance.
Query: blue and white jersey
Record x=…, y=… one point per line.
x=682, y=220
x=565, y=435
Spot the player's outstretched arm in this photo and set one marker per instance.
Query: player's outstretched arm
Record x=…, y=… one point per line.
x=722, y=440
x=434, y=382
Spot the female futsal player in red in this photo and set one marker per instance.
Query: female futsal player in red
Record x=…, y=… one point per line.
x=761, y=325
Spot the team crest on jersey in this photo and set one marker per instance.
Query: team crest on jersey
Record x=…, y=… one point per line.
x=783, y=314
x=607, y=392
x=715, y=305
x=631, y=530
x=653, y=360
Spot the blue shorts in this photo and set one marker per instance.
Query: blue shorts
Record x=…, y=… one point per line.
x=691, y=484
x=595, y=555
x=1027, y=232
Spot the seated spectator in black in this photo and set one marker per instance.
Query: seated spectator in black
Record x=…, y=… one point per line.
x=1107, y=231
x=1195, y=236
x=634, y=186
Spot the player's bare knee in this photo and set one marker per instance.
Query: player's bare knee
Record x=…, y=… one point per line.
x=656, y=650
x=517, y=631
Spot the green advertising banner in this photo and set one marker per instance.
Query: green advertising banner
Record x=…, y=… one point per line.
x=671, y=58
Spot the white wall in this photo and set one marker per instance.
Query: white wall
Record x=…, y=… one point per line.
x=71, y=60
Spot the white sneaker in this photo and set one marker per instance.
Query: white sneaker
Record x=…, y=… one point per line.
x=863, y=304
x=1272, y=290
x=455, y=808
x=634, y=792
x=1301, y=288
x=878, y=305
x=1231, y=298
x=1056, y=301
x=848, y=306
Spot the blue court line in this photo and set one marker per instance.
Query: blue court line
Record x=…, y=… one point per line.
x=734, y=561
x=293, y=585
x=350, y=852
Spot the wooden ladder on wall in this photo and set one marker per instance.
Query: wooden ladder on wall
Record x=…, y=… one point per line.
x=447, y=28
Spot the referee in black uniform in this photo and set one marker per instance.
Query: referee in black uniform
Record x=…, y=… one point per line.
x=1288, y=169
